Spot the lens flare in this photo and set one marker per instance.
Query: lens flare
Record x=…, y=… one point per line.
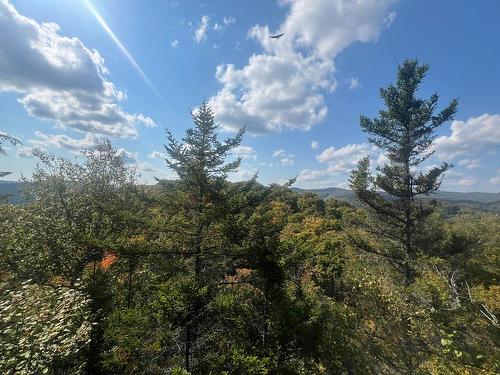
x=120, y=45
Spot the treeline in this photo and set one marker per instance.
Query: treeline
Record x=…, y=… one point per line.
x=100, y=275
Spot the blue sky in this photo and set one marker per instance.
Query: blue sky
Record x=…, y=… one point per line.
x=74, y=71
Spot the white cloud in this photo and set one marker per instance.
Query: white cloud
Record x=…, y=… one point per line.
x=200, y=34
x=467, y=137
x=340, y=162
x=467, y=182
x=283, y=87
x=145, y=167
x=243, y=173
x=128, y=156
x=330, y=26
x=494, y=183
x=174, y=43
x=25, y=152
x=148, y=172
x=287, y=162
x=310, y=175
x=60, y=78
x=157, y=155
x=271, y=93
x=320, y=179
x=285, y=158
x=314, y=145
x=453, y=173
x=353, y=83
x=245, y=152
x=279, y=152
x=345, y=158
x=63, y=141
x=470, y=163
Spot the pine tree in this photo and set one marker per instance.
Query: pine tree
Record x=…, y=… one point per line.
x=405, y=130
x=199, y=161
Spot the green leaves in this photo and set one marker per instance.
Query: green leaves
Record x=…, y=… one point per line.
x=43, y=328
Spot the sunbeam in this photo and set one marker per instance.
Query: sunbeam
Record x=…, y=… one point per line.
x=120, y=45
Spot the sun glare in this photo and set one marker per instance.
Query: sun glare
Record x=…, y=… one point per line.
x=120, y=45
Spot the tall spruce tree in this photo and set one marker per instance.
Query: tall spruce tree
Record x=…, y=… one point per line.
x=405, y=131
x=200, y=162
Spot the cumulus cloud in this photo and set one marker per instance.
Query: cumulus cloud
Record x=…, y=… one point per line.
x=200, y=34
x=285, y=159
x=286, y=162
x=157, y=155
x=243, y=173
x=340, y=161
x=470, y=163
x=146, y=167
x=63, y=141
x=245, y=152
x=467, y=137
x=284, y=86
x=345, y=158
x=467, y=182
x=320, y=178
x=174, y=43
x=279, y=152
x=59, y=78
x=128, y=156
x=25, y=152
x=314, y=145
x=494, y=183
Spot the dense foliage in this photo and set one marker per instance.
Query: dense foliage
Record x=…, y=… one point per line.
x=101, y=275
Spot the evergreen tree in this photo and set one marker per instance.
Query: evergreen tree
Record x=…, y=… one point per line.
x=199, y=161
x=405, y=130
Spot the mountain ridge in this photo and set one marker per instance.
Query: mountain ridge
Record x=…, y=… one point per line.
x=474, y=196
x=483, y=200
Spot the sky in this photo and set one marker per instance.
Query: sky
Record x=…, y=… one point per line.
x=75, y=71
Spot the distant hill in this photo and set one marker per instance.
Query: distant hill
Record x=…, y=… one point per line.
x=12, y=190
x=344, y=194
x=331, y=192
x=489, y=202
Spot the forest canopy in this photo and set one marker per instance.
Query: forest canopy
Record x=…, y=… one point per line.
x=102, y=275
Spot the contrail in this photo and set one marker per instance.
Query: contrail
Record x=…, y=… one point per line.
x=120, y=45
